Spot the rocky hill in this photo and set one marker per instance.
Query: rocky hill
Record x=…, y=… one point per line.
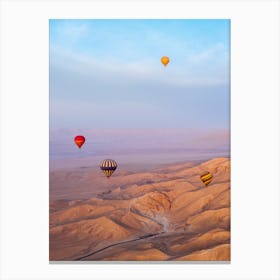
x=165, y=214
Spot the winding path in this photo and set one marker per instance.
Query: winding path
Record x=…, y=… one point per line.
x=119, y=243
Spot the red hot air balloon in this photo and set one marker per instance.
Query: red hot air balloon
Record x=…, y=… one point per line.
x=79, y=140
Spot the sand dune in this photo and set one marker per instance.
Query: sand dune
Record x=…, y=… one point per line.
x=167, y=214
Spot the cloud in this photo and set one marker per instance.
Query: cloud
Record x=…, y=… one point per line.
x=131, y=51
x=96, y=71
x=83, y=91
x=67, y=33
x=143, y=71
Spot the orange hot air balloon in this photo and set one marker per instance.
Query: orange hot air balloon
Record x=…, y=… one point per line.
x=79, y=140
x=165, y=60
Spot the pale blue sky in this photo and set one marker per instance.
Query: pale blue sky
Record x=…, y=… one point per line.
x=108, y=74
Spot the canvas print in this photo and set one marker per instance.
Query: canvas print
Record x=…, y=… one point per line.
x=139, y=137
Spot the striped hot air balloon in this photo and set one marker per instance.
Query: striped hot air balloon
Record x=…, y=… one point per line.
x=108, y=166
x=206, y=178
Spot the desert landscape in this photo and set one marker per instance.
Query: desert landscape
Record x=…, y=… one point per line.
x=159, y=214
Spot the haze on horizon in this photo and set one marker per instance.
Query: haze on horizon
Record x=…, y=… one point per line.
x=107, y=81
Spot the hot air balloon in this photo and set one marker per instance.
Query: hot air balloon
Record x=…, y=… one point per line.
x=165, y=60
x=79, y=140
x=206, y=178
x=108, y=166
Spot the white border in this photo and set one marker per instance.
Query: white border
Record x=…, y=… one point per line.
x=254, y=129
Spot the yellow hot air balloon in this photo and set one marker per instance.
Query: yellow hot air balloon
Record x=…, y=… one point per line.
x=165, y=60
x=108, y=166
x=206, y=178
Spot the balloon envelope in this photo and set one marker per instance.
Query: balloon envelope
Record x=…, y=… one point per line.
x=206, y=178
x=165, y=60
x=108, y=166
x=79, y=140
